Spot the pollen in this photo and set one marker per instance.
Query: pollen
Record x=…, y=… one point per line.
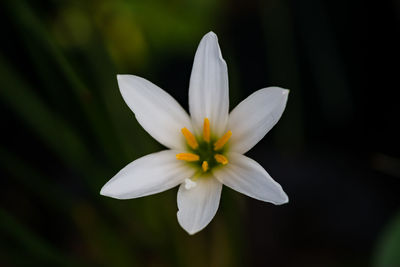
x=204, y=151
x=189, y=183
x=206, y=130
x=204, y=166
x=222, y=141
x=187, y=157
x=190, y=139
x=221, y=159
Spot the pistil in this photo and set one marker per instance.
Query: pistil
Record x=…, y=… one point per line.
x=205, y=152
x=204, y=166
x=206, y=130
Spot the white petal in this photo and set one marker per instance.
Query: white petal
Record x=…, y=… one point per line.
x=148, y=175
x=252, y=119
x=208, y=90
x=248, y=177
x=198, y=205
x=158, y=113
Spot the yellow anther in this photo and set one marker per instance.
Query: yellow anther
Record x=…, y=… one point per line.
x=204, y=166
x=187, y=156
x=221, y=159
x=222, y=141
x=190, y=139
x=206, y=130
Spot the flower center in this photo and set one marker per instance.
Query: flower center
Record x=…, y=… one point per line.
x=206, y=152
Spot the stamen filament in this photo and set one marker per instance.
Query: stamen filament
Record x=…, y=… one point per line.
x=221, y=159
x=187, y=157
x=222, y=141
x=206, y=130
x=190, y=139
x=204, y=166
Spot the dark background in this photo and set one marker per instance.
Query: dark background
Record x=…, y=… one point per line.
x=66, y=131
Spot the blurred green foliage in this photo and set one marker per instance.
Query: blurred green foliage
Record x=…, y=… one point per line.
x=73, y=132
x=388, y=248
x=70, y=101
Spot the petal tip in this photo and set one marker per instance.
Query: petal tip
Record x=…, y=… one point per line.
x=284, y=91
x=187, y=228
x=105, y=191
x=211, y=34
x=124, y=77
x=108, y=191
x=192, y=232
x=284, y=199
x=121, y=79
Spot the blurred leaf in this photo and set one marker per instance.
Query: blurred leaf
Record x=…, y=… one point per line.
x=284, y=70
x=135, y=141
x=388, y=250
x=65, y=142
x=104, y=243
x=32, y=243
x=33, y=28
x=34, y=181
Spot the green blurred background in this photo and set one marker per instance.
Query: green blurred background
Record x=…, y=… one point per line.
x=66, y=131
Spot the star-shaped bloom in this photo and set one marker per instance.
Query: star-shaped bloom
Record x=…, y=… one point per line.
x=206, y=148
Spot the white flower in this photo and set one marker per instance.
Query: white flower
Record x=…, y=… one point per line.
x=205, y=150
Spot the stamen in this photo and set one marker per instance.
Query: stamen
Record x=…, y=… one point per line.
x=221, y=159
x=189, y=183
x=204, y=166
x=190, y=139
x=222, y=141
x=187, y=156
x=206, y=130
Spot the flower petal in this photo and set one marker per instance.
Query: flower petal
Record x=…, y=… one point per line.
x=158, y=113
x=248, y=177
x=198, y=205
x=252, y=119
x=148, y=175
x=208, y=90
